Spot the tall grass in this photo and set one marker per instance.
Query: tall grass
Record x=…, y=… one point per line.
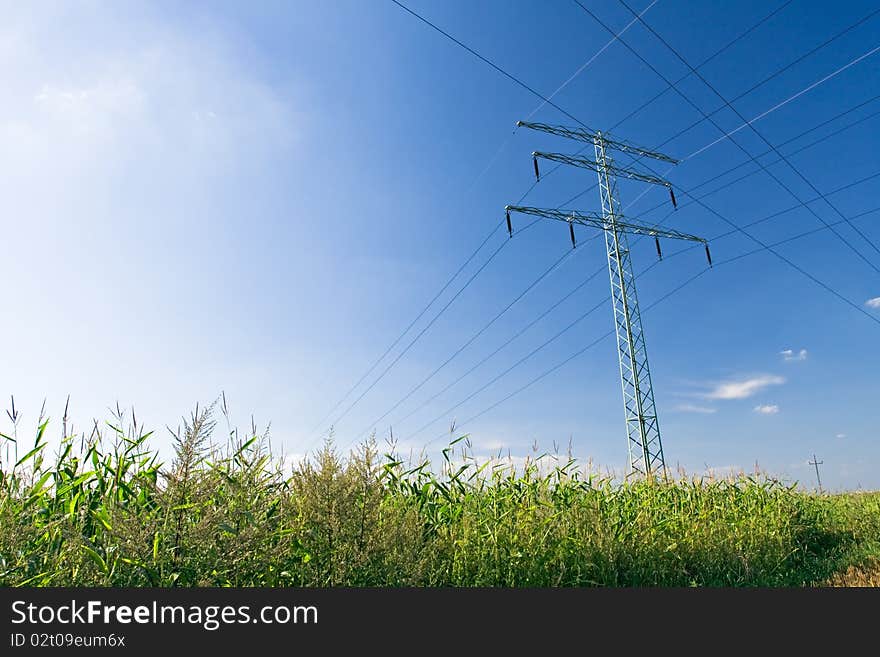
x=104, y=511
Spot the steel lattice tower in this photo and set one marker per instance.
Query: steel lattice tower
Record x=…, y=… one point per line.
x=642, y=428
x=644, y=445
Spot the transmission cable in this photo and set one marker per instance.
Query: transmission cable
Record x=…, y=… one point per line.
x=602, y=268
x=801, y=149
x=704, y=62
x=772, y=76
x=758, y=133
x=675, y=290
x=669, y=85
x=687, y=99
x=407, y=329
x=673, y=86
x=544, y=101
x=767, y=247
x=704, y=196
x=751, y=157
x=469, y=341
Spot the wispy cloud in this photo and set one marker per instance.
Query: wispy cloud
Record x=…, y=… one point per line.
x=493, y=445
x=840, y=435
x=767, y=409
x=723, y=470
x=790, y=354
x=694, y=408
x=743, y=388
x=873, y=303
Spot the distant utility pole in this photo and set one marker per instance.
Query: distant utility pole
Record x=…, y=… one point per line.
x=816, y=464
x=642, y=428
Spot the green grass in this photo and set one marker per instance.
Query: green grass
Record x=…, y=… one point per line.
x=103, y=511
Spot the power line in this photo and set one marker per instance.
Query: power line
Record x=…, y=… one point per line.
x=786, y=240
x=767, y=247
x=548, y=101
x=507, y=342
x=544, y=101
x=722, y=187
x=668, y=86
x=470, y=340
x=570, y=358
x=594, y=57
x=727, y=46
x=771, y=247
x=431, y=323
x=715, y=191
x=805, y=147
x=788, y=261
x=489, y=62
x=807, y=233
x=608, y=334
x=568, y=81
x=796, y=207
x=615, y=37
x=773, y=75
x=723, y=137
x=422, y=332
x=534, y=351
x=840, y=236
x=750, y=157
x=727, y=103
x=791, y=98
x=671, y=85
x=673, y=254
x=752, y=88
x=407, y=329
x=796, y=267
x=730, y=183
x=428, y=326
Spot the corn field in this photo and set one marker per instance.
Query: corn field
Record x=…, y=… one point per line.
x=101, y=509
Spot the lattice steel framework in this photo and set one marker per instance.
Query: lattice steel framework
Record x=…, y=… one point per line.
x=644, y=445
x=642, y=427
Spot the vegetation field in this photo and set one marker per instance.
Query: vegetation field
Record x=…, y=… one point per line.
x=102, y=510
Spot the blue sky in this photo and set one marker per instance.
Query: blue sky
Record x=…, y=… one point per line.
x=258, y=199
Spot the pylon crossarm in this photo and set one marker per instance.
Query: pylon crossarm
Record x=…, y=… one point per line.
x=591, y=137
x=586, y=163
x=597, y=220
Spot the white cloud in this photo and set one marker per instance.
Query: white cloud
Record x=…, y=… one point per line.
x=493, y=445
x=743, y=388
x=767, y=409
x=873, y=303
x=84, y=108
x=790, y=354
x=163, y=103
x=694, y=408
x=112, y=162
x=840, y=435
x=723, y=470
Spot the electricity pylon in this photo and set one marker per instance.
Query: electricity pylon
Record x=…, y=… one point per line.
x=642, y=428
